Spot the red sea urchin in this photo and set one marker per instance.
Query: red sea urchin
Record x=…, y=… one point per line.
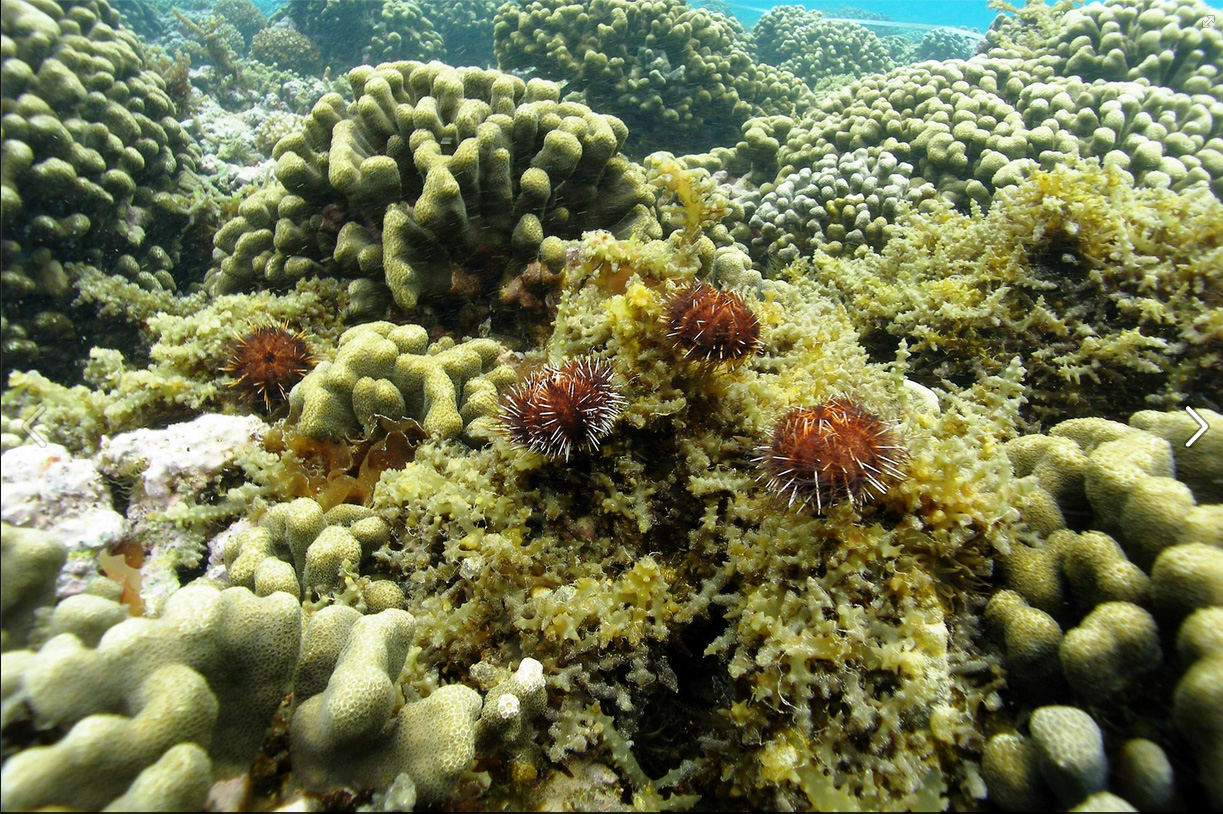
x=712, y=326
x=560, y=409
x=832, y=452
x=267, y=362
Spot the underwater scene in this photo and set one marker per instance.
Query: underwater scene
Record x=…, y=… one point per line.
x=614, y=405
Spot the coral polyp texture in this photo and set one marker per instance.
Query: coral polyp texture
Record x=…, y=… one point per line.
x=832, y=452
x=97, y=174
x=350, y=34
x=563, y=409
x=1138, y=85
x=1123, y=558
x=382, y=370
x=712, y=326
x=435, y=186
x=666, y=69
x=814, y=48
x=267, y=362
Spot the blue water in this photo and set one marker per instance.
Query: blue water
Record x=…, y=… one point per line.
x=959, y=13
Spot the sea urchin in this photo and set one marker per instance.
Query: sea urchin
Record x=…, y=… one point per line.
x=832, y=452
x=712, y=326
x=560, y=409
x=267, y=362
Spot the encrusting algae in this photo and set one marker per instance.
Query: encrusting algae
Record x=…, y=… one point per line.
x=862, y=531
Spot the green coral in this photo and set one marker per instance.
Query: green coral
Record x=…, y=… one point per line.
x=31, y=563
x=382, y=370
x=97, y=173
x=1115, y=594
x=1198, y=699
x=243, y=15
x=436, y=184
x=172, y=709
x=1070, y=749
x=211, y=670
x=347, y=731
x=286, y=48
x=667, y=70
x=968, y=129
x=813, y=48
x=1165, y=43
x=466, y=27
x=1032, y=638
x=1110, y=651
x=302, y=550
x=353, y=33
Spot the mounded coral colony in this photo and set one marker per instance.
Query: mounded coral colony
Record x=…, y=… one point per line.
x=839, y=467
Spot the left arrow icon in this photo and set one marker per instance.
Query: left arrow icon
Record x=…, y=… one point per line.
x=1202, y=426
x=28, y=426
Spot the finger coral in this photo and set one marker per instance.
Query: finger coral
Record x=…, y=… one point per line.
x=668, y=70
x=436, y=186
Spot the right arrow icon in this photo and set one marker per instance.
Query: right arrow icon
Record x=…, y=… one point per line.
x=1202, y=426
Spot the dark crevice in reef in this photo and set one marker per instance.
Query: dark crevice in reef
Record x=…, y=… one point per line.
x=674, y=726
x=1056, y=258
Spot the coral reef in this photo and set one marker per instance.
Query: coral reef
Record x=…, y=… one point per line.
x=97, y=173
x=1111, y=294
x=286, y=48
x=243, y=15
x=1164, y=44
x=813, y=48
x=1147, y=559
x=966, y=129
x=667, y=70
x=191, y=340
x=941, y=44
x=382, y=370
x=466, y=27
x=435, y=186
x=351, y=34
x=695, y=482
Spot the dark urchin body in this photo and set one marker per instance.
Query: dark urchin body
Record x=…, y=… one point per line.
x=268, y=362
x=561, y=409
x=832, y=452
x=712, y=326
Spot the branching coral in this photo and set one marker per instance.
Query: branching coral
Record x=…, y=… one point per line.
x=1112, y=294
